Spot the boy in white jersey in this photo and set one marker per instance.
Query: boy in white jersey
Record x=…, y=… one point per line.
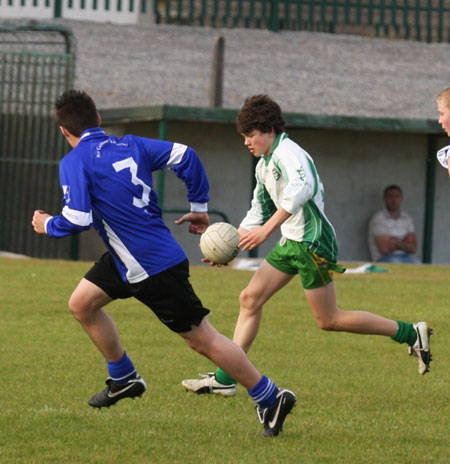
x=443, y=103
x=107, y=183
x=289, y=194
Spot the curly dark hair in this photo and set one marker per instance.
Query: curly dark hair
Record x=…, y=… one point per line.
x=260, y=112
x=76, y=111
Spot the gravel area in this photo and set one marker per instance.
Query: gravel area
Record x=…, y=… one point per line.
x=315, y=73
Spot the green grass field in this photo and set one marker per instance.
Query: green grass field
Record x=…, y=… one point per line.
x=360, y=398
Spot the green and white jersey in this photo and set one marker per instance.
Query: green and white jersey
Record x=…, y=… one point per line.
x=288, y=178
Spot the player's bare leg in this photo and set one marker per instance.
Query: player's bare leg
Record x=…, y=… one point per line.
x=329, y=317
x=223, y=352
x=86, y=305
x=265, y=283
x=274, y=403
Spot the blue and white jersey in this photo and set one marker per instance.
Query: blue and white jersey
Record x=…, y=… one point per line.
x=443, y=156
x=107, y=183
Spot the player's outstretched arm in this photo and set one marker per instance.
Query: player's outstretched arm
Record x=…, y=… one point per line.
x=255, y=237
x=199, y=222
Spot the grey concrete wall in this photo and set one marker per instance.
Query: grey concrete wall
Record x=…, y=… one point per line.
x=355, y=166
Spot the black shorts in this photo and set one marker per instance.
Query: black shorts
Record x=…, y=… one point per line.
x=168, y=294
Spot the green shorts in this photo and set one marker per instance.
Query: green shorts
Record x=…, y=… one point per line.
x=293, y=257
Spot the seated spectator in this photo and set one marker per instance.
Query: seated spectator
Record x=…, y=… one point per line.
x=392, y=237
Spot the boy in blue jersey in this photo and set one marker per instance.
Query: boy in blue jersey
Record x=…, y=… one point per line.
x=289, y=194
x=107, y=183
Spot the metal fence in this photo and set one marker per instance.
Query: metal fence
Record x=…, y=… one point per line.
x=115, y=11
x=36, y=65
x=422, y=20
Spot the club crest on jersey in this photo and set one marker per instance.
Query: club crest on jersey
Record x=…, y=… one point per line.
x=66, y=192
x=301, y=174
x=276, y=173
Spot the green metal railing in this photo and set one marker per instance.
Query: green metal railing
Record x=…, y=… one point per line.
x=422, y=20
x=36, y=65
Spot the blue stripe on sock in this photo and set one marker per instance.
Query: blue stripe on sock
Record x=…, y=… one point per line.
x=267, y=391
x=264, y=392
x=120, y=371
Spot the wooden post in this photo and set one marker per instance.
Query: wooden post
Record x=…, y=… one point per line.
x=216, y=90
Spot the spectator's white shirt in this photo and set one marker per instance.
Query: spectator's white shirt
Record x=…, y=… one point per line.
x=382, y=223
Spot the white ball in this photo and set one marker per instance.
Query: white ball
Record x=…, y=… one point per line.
x=219, y=243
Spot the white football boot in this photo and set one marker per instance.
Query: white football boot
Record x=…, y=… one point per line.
x=209, y=384
x=421, y=348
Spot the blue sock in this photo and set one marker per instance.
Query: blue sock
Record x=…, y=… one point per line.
x=120, y=371
x=264, y=392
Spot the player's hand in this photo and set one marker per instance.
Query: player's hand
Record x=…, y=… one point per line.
x=252, y=239
x=38, y=221
x=211, y=263
x=199, y=222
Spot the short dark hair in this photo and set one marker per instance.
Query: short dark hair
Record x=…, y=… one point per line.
x=392, y=187
x=76, y=111
x=260, y=112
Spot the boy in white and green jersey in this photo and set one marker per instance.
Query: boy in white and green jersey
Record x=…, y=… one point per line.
x=287, y=179
x=289, y=194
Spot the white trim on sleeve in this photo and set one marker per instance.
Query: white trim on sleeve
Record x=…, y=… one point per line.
x=176, y=155
x=199, y=207
x=79, y=218
x=46, y=222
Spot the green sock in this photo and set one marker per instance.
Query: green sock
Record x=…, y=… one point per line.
x=405, y=333
x=223, y=378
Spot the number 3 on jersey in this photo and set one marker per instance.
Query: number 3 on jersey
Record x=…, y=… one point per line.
x=129, y=163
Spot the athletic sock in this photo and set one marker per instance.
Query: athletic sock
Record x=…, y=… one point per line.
x=122, y=370
x=405, y=333
x=223, y=378
x=264, y=392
